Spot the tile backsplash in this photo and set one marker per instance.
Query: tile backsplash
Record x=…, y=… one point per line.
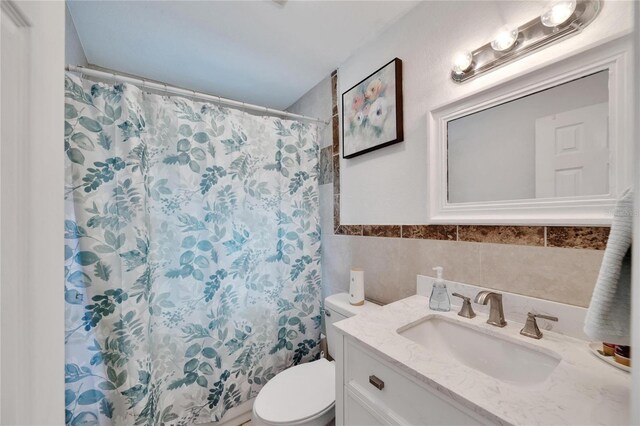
x=594, y=238
x=391, y=264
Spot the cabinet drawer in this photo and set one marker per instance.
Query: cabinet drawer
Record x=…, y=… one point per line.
x=404, y=401
x=357, y=414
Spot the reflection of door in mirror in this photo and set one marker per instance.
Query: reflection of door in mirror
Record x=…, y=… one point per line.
x=572, y=153
x=552, y=143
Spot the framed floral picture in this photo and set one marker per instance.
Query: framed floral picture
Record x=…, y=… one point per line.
x=372, y=111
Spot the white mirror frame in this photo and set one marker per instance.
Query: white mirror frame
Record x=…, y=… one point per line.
x=616, y=57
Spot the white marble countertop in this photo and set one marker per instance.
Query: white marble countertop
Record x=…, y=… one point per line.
x=582, y=390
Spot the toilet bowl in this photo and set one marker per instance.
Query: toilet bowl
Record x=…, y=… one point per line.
x=301, y=395
x=305, y=394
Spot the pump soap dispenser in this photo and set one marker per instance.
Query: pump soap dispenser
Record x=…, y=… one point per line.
x=439, y=300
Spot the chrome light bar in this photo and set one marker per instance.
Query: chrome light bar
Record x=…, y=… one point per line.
x=531, y=36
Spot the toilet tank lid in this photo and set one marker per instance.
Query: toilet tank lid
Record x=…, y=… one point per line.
x=339, y=303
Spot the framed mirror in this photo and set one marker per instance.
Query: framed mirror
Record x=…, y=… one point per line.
x=549, y=147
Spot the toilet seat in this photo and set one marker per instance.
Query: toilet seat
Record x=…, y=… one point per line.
x=301, y=394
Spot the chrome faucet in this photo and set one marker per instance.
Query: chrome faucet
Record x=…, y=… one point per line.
x=466, y=310
x=531, y=329
x=496, y=313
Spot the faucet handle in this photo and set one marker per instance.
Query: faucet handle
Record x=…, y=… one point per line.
x=531, y=329
x=547, y=317
x=465, y=298
x=466, y=310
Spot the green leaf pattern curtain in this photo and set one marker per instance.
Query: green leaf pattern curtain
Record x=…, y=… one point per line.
x=192, y=255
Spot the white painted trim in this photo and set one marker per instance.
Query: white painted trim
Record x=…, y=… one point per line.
x=14, y=122
x=14, y=13
x=339, y=363
x=635, y=263
x=615, y=57
x=32, y=193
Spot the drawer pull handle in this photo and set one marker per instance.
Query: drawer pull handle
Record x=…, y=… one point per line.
x=379, y=384
x=327, y=313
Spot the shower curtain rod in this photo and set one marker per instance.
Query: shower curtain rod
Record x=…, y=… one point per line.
x=167, y=88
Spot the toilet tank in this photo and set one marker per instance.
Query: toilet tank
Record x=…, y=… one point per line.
x=337, y=308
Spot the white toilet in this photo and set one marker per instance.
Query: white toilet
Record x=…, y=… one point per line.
x=306, y=394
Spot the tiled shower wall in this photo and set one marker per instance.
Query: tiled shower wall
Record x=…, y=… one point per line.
x=553, y=263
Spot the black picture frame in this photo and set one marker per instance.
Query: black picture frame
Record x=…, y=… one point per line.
x=399, y=135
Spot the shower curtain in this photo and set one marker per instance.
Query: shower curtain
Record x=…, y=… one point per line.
x=192, y=255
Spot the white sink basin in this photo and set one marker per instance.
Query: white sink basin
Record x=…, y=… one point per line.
x=503, y=359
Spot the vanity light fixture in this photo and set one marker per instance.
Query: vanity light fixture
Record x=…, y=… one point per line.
x=462, y=61
x=505, y=39
x=561, y=18
x=557, y=13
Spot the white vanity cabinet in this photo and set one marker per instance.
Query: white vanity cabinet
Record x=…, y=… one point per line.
x=369, y=391
x=386, y=375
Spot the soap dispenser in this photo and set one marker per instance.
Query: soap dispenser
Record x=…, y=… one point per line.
x=439, y=300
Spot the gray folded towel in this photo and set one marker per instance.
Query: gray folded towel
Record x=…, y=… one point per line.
x=609, y=314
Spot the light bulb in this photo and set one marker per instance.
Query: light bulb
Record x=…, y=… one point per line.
x=558, y=12
x=462, y=62
x=504, y=39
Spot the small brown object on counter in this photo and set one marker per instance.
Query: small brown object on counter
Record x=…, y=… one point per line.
x=623, y=355
x=608, y=349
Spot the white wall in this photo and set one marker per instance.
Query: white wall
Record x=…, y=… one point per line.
x=389, y=186
x=492, y=153
x=565, y=275
x=73, y=50
x=317, y=103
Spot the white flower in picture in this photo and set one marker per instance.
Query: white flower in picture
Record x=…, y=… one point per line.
x=378, y=113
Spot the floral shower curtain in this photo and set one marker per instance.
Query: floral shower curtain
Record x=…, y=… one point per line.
x=192, y=255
